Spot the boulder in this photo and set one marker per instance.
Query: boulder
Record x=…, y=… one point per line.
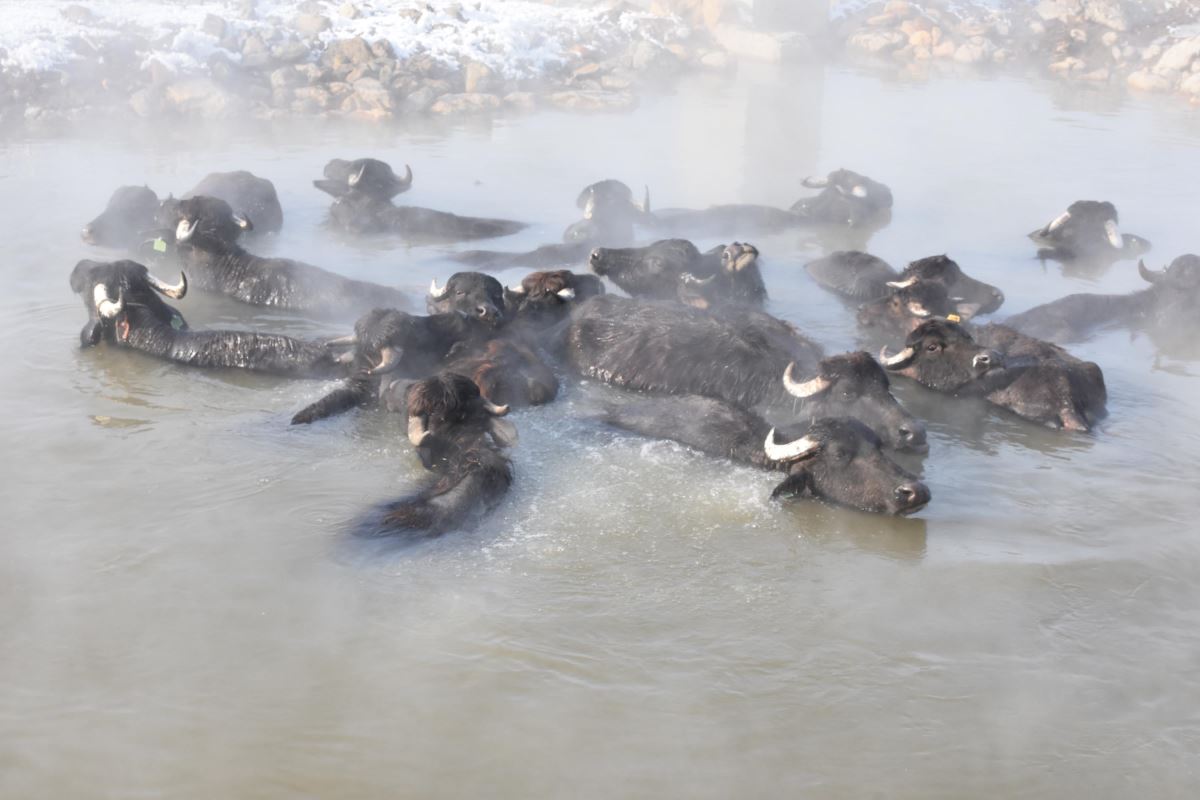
x=465, y=103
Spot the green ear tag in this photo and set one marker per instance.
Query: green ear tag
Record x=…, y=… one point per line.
x=177, y=322
x=160, y=245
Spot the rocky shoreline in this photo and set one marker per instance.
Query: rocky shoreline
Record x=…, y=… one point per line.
x=1142, y=45
x=368, y=60
x=372, y=60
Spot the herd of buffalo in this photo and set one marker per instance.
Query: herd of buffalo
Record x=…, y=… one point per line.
x=708, y=364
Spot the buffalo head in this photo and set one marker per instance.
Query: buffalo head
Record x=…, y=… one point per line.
x=909, y=304
x=205, y=223
x=1088, y=229
x=122, y=297
x=364, y=176
x=846, y=198
x=943, y=356
x=839, y=459
x=471, y=293
x=853, y=384
x=130, y=213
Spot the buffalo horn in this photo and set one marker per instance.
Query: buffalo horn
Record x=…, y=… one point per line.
x=176, y=292
x=589, y=208
x=355, y=177
x=566, y=294
x=437, y=293
x=804, y=389
x=1058, y=222
x=859, y=191
x=1113, y=234
x=389, y=359
x=408, y=177
x=1149, y=275
x=898, y=361
x=689, y=278
x=904, y=284
x=243, y=222
x=518, y=289
x=493, y=409
x=343, y=341
x=645, y=205
x=417, y=430
x=184, y=230
x=346, y=357
x=105, y=306
x=790, y=451
x=814, y=182
x=918, y=310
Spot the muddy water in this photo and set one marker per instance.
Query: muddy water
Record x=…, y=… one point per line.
x=182, y=614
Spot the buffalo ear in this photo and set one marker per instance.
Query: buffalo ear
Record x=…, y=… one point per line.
x=90, y=335
x=794, y=485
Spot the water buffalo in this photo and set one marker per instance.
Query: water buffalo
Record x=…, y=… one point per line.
x=367, y=176
x=609, y=217
x=125, y=309
x=388, y=343
x=206, y=232
x=674, y=269
x=133, y=212
x=1169, y=305
x=472, y=293
x=836, y=459
x=460, y=436
x=1087, y=231
x=507, y=373
x=910, y=305
x=543, y=299
x=1031, y=378
x=861, y=276
x=674, y=349
x=363, y=190
x=846, y=198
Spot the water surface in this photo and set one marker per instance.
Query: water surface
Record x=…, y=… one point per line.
x=183, y=615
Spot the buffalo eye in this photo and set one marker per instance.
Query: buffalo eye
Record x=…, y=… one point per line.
x=933, y=347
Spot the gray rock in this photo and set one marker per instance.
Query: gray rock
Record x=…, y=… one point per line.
x=478, y=77
x=286, y=77
x=255, y=53
x=521, y=101
x=371, y=95
x=214, y=26
x=876, y=41
x=593, y=101
x=311, y=98
x=345, y=55
x=201, y=97
x=1059, y=10
x=310, y=26
x=1179, y=56
x=79, y=15
x=1108, y=13
x=290, y=51
x=148, y=102
x=420, y=100
x=465, y=102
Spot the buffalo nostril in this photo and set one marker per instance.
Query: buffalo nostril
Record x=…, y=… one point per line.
x=911, y=494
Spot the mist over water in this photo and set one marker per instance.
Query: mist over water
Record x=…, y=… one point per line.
x=183, y=614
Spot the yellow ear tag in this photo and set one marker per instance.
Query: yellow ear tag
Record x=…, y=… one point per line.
x=160, y=245
x=954, y=317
